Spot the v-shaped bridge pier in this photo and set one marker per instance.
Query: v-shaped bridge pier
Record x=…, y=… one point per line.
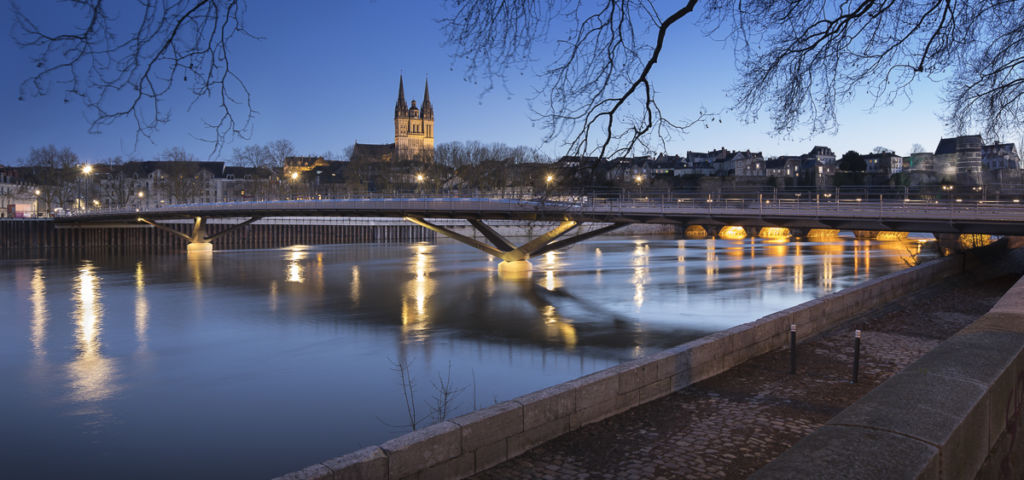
x=516, y=258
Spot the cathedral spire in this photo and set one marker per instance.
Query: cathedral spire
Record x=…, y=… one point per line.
x=428, y=109
x=400, y=106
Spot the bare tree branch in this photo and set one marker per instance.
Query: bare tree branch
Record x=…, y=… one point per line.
x=132, y=62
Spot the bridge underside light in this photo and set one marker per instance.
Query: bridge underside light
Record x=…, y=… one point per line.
x=822, y=234
x=774, y=233
x=886, y=236
x=695, y=231
x=732, y=232
x=974, y=240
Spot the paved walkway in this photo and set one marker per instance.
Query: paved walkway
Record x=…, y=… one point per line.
x=730, y=425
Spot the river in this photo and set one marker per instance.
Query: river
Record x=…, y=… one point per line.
x=251, y=364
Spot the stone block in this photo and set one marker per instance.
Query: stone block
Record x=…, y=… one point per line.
x=368, y=463
x=635, y=374
x=655, y=390
x=597, y=388
x=980, y=357
x=626, y=401
x=488, y=456
x=312, y=472
x=680, y=381
x=670, y=362
x=836, y=452
x=421, y=449
x=1006, y=400
x=997, y=322
x=943, y=411
x=458, y=467
x=488, y=425
x=517, y=444
x=547, y=405
x=593, y=412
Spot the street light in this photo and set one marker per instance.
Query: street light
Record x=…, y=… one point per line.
x=295, y=175
x=550, y=178
x=419, y=178
x=87, y=169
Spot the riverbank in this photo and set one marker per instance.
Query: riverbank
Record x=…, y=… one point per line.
x=732, y=424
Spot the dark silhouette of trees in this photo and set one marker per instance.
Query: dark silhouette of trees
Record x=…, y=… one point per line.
x=852, y=162
x=124, y=62
x=56, y=175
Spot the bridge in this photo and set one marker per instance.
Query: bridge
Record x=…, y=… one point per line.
x=903, y=215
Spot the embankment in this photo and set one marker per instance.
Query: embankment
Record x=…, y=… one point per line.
x=465, y=445
x=43, y=234
x=956, y=413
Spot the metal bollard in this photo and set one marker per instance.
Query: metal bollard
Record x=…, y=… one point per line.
x=856, y=354
x=792, y=349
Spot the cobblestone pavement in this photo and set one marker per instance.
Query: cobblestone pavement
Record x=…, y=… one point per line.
x=730, y=425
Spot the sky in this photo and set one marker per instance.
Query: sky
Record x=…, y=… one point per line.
x=325, y=75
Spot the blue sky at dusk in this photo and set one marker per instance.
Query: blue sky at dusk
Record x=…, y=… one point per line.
x=326, y=75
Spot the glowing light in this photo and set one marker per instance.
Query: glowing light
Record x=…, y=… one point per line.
x=91, y=374
x=295, y=268
x=695, y=231
x=641, y=272
x=550, y=178
x=141, y=308
x=419, y=177
x=732, y=232
x=141, y=194
x=353, y=290
x=87, y=169
x=415, y=315
x=40, y=314
x=295, y=175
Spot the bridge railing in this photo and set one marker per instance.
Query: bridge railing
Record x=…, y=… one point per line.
x=854, y=203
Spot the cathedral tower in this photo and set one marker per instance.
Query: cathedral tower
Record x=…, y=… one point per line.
x=414, y=127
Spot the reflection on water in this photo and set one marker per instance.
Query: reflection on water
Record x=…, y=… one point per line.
x=141, y=308
x=231, y=336
x=640, y=272
x=39, y=313
x=91, y=374
x=415, y=316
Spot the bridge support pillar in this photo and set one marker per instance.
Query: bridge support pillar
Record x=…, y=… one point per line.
x=515, y=259
x=198, y=241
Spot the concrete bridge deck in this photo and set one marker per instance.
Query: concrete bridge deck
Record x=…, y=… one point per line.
x=993, y=218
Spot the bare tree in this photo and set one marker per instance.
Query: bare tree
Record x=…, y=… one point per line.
x=57, y=174
x=182, y=179
x=125, y=62
x=597, y=91
x=797, y=60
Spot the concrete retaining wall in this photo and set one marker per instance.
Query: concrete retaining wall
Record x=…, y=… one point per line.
x=956, y=413
x=474, y=442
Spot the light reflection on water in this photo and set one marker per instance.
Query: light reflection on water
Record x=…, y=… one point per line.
x=198, y=361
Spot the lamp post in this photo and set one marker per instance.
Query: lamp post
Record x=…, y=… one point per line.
x=86, y=172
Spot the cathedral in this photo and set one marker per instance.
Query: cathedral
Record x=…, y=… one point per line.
x=414, y=132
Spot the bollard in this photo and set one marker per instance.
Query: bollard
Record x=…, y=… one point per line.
x=856, y=354
x=792, y=349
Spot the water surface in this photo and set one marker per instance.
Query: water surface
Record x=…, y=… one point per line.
x=250, y=364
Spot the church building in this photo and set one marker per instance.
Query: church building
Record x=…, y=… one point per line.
x=414, y=132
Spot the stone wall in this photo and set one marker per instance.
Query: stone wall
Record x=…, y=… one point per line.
x=474, y=442
x=956, y=413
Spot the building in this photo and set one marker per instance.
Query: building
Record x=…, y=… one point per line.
x=1000, y=156
x=414, y=128
x=885, y=163
x=414, y=133
x=960, y=156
